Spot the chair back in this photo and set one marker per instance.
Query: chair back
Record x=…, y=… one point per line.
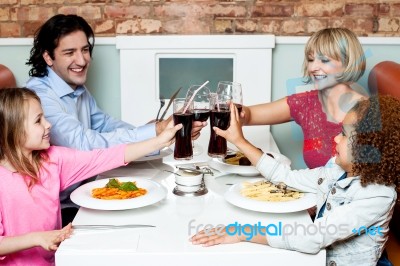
x=7, y=79
x=384, y=78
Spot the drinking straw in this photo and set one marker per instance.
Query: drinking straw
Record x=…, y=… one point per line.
x=217, y=101
x=191, y=98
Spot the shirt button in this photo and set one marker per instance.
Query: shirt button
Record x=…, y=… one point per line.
x=328, y=206
x=320, y=180
x=332, y=263
x=333, y=191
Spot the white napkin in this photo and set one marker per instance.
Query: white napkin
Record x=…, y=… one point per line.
x=117, y=240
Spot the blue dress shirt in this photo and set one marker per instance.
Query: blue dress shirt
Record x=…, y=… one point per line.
x=77, y=121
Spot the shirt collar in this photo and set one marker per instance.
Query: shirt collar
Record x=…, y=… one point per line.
x=61, y=88
x=346, y=181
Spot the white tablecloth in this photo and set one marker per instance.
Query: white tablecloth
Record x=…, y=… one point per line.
x=177, y=218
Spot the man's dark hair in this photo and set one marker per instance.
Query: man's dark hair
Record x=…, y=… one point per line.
x=48, y=36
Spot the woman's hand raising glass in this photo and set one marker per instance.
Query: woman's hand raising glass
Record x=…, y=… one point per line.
x=232, y=89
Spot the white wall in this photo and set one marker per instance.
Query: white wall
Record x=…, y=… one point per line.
x=286, y=64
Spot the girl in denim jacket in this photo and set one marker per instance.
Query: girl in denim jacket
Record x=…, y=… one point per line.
x=355, y=190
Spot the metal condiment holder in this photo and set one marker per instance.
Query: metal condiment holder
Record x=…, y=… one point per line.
x=203, y=190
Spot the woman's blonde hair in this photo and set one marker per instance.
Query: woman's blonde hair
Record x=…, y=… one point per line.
x=13, y=110
x=340, y=44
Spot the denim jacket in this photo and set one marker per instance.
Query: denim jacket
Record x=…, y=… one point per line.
x=350, y=211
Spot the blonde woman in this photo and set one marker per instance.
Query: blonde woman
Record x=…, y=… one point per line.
x=334, y=60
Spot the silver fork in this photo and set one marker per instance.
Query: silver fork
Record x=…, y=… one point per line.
x=162, y=103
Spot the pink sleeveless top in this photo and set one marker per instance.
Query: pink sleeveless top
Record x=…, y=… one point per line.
x=319, y=146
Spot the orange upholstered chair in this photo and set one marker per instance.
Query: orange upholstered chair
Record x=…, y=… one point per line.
x=384, y=78
x=7, y=79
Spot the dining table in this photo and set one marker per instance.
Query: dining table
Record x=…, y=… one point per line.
x=162, y=230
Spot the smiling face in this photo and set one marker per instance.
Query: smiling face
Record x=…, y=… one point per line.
x=344, y=157
x=323, y=70
x=71, y=58
x=37, y=128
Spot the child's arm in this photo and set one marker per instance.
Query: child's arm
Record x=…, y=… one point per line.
x=234, y=135
x=305, y=180
x=218, y=236
x=368, y=209
x=271, y=169
x=49, y=240
x=75, y=165
x=136, y=150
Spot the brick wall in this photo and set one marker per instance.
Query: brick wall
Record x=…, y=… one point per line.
x=20, y=18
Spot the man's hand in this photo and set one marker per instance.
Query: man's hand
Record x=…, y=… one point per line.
x=196, y=128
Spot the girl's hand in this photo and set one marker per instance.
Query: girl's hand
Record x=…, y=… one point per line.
x=213, y=237
x=162, y=125
x=197, y=127
x=50, y=240
x=234, y=133
x=167, y=136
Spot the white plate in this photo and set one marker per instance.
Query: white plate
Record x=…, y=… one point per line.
x=82, y=196
x=234, y=197
x=164, y=152
x=244, y=170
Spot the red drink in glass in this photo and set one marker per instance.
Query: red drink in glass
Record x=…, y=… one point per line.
x=217, y=146
x=201, y=114
x=183, y=137
x=239, y=107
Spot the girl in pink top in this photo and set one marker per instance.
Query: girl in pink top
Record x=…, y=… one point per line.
x=33, y=174
x=334, y=59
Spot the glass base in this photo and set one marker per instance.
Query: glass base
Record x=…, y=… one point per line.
x=213, y=155
x=200, y=192
x=183, y=159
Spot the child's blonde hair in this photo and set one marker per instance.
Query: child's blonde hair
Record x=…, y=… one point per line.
x=375, y=145
x=340, y=44
x=13, y=110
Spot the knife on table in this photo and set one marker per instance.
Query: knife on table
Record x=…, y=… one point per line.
x=109, y=226
x=170, y=102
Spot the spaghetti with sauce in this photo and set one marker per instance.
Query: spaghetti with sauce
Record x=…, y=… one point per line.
x=116, y=190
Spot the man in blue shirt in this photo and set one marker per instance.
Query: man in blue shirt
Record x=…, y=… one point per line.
x=60, y=60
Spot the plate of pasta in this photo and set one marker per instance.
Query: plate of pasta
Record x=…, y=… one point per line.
x=119, y=193
x=234, y=165
x=264, y=196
